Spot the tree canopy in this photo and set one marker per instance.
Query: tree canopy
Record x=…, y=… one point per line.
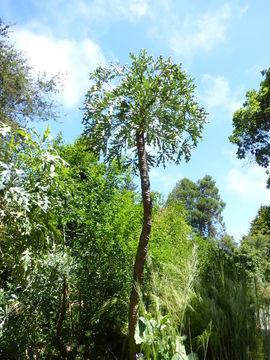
x=153, y=95
x=24, y=95
x=148, y=111
x=251, y=124
x=261, y=223
x=202, y=203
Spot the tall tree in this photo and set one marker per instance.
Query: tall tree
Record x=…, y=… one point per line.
x=202, y=203
x=251, y=124
x=24, y=95
x=147, y=111
x=261, y=223
x=257, y=240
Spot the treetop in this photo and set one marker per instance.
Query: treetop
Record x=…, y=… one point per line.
x=154, y=97
x=251, y=124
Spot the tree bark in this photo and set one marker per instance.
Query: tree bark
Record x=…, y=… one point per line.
x=60, y=317
x=143, y=243
x=1, y=236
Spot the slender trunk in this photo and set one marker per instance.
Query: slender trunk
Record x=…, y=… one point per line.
x=60, y=317
x=61, y=313
x=1, y=237
x=143, y=243
x=69, y=308
x=67, y=280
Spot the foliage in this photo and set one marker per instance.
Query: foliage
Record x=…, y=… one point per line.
x=31, y=276
x=251, y=124
x=29, y=323
x=28, y=185
x=24, y=96
x=69, y=224
x=202, y=203
x=65, y=279
x=150, y=333
x=155, y=96
x=130, y=109
x=227, y=305
x=257, y=241
x=103, y=238
x=86, y=221
x=163, y=308
x=261, y=223
x=170, y=236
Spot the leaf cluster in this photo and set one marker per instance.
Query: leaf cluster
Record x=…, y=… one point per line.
x=202, y=203
x=251, y=124
x=24, y=95
x=151, y=96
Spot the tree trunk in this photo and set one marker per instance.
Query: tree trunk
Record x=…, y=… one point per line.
x=1, y=237
x=143, y=243
x=60, y=317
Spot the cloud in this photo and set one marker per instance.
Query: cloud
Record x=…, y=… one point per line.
x=97, y=11
x=249, y=183
x=218, y=93
x=73, y=59
x=130, y=10
x=201, y=33
x=243, y=10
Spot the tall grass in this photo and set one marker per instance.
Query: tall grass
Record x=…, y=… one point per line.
x=162, y=311
x=215, y=312
x=230, y=301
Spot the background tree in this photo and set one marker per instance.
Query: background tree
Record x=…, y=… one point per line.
x=24, y=95
x=261, y=223
x=202, y=203
x=258, y=240
x=31, y=207
x=150, y=112
x=251, y=124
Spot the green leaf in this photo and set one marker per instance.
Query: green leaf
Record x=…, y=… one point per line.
x=140, y=331
x=165, y=319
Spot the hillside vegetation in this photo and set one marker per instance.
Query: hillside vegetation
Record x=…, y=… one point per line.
x=93, y=267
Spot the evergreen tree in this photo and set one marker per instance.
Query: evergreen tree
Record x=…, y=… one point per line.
x=202, y=203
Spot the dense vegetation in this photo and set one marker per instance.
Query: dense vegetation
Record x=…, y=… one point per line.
x=149, y=104
x=70, y=225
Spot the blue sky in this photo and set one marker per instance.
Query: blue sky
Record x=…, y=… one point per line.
x=223, y=45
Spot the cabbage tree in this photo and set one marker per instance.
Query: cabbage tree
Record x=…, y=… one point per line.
x=148, y=112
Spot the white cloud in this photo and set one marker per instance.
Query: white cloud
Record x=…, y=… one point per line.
x=243, y=10
x=73, y=59
x=130, y=10
x=114, y=9
x=101, y=10
x=249, y=183
x=201, y=33
x=138, y=8
x=218, y=93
